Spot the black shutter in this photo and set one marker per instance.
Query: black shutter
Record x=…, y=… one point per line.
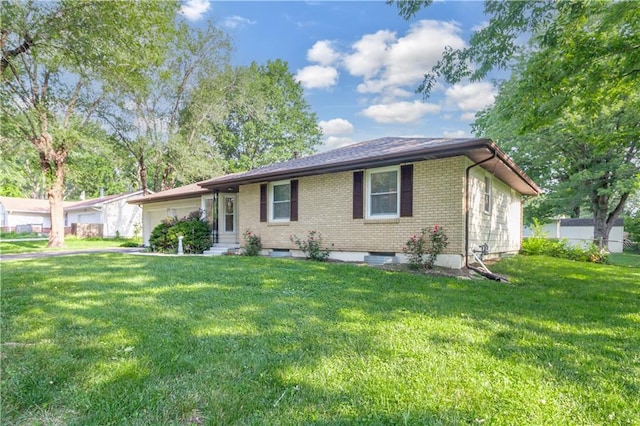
x=263, y=202
x=358, y=195
x=293, y=213
x=406, y=190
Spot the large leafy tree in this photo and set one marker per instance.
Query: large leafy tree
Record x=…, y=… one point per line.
x=59, y=59
x=258, y=116
x=570, y=114
x=150, y=122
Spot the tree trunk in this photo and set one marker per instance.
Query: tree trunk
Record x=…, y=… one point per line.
x=52, y=163
x=601, y=229
x=142, y=173
x=54, y=194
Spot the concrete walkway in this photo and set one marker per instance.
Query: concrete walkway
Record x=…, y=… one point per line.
x=41, y=254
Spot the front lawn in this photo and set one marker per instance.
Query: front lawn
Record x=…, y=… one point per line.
x=121, y=339
x=70, y=243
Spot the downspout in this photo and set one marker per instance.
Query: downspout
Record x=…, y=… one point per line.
x=467, y=201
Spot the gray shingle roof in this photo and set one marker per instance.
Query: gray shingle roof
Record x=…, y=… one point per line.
x=382, y=152
x=586, y=222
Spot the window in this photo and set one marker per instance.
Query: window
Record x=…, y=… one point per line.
x=280, y=194
x=487, y=194
x=382, y=192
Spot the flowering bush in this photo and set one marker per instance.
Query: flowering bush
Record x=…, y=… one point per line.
x=312, y=246
x=252, y=244
x=422, y=250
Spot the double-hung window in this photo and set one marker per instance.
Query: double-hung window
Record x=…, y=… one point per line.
x=383, y=189
x=280, y=195
x=487, y=195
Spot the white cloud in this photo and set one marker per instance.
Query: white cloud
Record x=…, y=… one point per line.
x=455, y=134
x=400, y=112
x=333, y=142
x=479, y=27
x=317, y=77
x=336, y=126
x=323, y=53
x=468, y=116
x=387, y=63
x=471, y=97
x=370, y=54
x=236, y=21
x=194, y=9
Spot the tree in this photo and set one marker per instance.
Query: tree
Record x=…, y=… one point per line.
x=570, y=113
x=260, y=116
x=58, y=61
x=150, y=122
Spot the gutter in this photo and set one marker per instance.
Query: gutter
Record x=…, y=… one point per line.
x=466, y=202
x=347, y=165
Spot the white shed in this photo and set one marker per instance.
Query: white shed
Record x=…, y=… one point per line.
x=579, y=232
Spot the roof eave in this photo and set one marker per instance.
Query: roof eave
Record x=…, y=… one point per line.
x=377, y=161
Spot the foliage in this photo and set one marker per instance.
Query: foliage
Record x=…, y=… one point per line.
x=59, y=59
x=423, y=250
x=169, y=148
x=118, y=339
x=260, y=116
x=252, y=243
x=312, y=246
x=578, y=135
x=540, y=244
x=632, y=226
x=195, y=230
x=563, y=249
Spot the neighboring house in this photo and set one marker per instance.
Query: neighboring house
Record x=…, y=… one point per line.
x=368, y=198
x=579, y=232
x=113, y=213
x=24, y=215
x=176, y=202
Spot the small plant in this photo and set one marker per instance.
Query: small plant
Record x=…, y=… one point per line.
x=422, y=250
x=252, y=244
x=312, y=246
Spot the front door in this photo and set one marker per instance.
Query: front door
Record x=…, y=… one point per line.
x=229, y=218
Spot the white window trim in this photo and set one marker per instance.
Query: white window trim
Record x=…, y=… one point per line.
x=368, y=174
x=270, y=207
x=487, y=190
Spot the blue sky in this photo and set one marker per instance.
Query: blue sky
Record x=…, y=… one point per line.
x=359, y=62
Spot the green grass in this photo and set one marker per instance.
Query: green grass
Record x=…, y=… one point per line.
x=625, y=259
x=119, y=339
x=70, y=243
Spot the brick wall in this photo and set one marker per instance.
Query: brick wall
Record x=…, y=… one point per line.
x=325, y=205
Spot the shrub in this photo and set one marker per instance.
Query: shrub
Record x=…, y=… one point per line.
x=195, y=232
x=312, y=246
x=129, y=244
x=252, y=244
x=423, y=250
x=562, y=249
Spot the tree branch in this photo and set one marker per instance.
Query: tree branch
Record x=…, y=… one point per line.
x=72, y=103
x=10, y=54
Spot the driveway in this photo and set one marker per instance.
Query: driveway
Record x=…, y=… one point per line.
x=36, y=255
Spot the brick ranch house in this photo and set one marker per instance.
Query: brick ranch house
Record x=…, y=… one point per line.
x=366, y=199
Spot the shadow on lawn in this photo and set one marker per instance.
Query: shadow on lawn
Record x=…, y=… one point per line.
x=237, y=338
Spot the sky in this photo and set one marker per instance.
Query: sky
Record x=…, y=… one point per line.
x=359, y=62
